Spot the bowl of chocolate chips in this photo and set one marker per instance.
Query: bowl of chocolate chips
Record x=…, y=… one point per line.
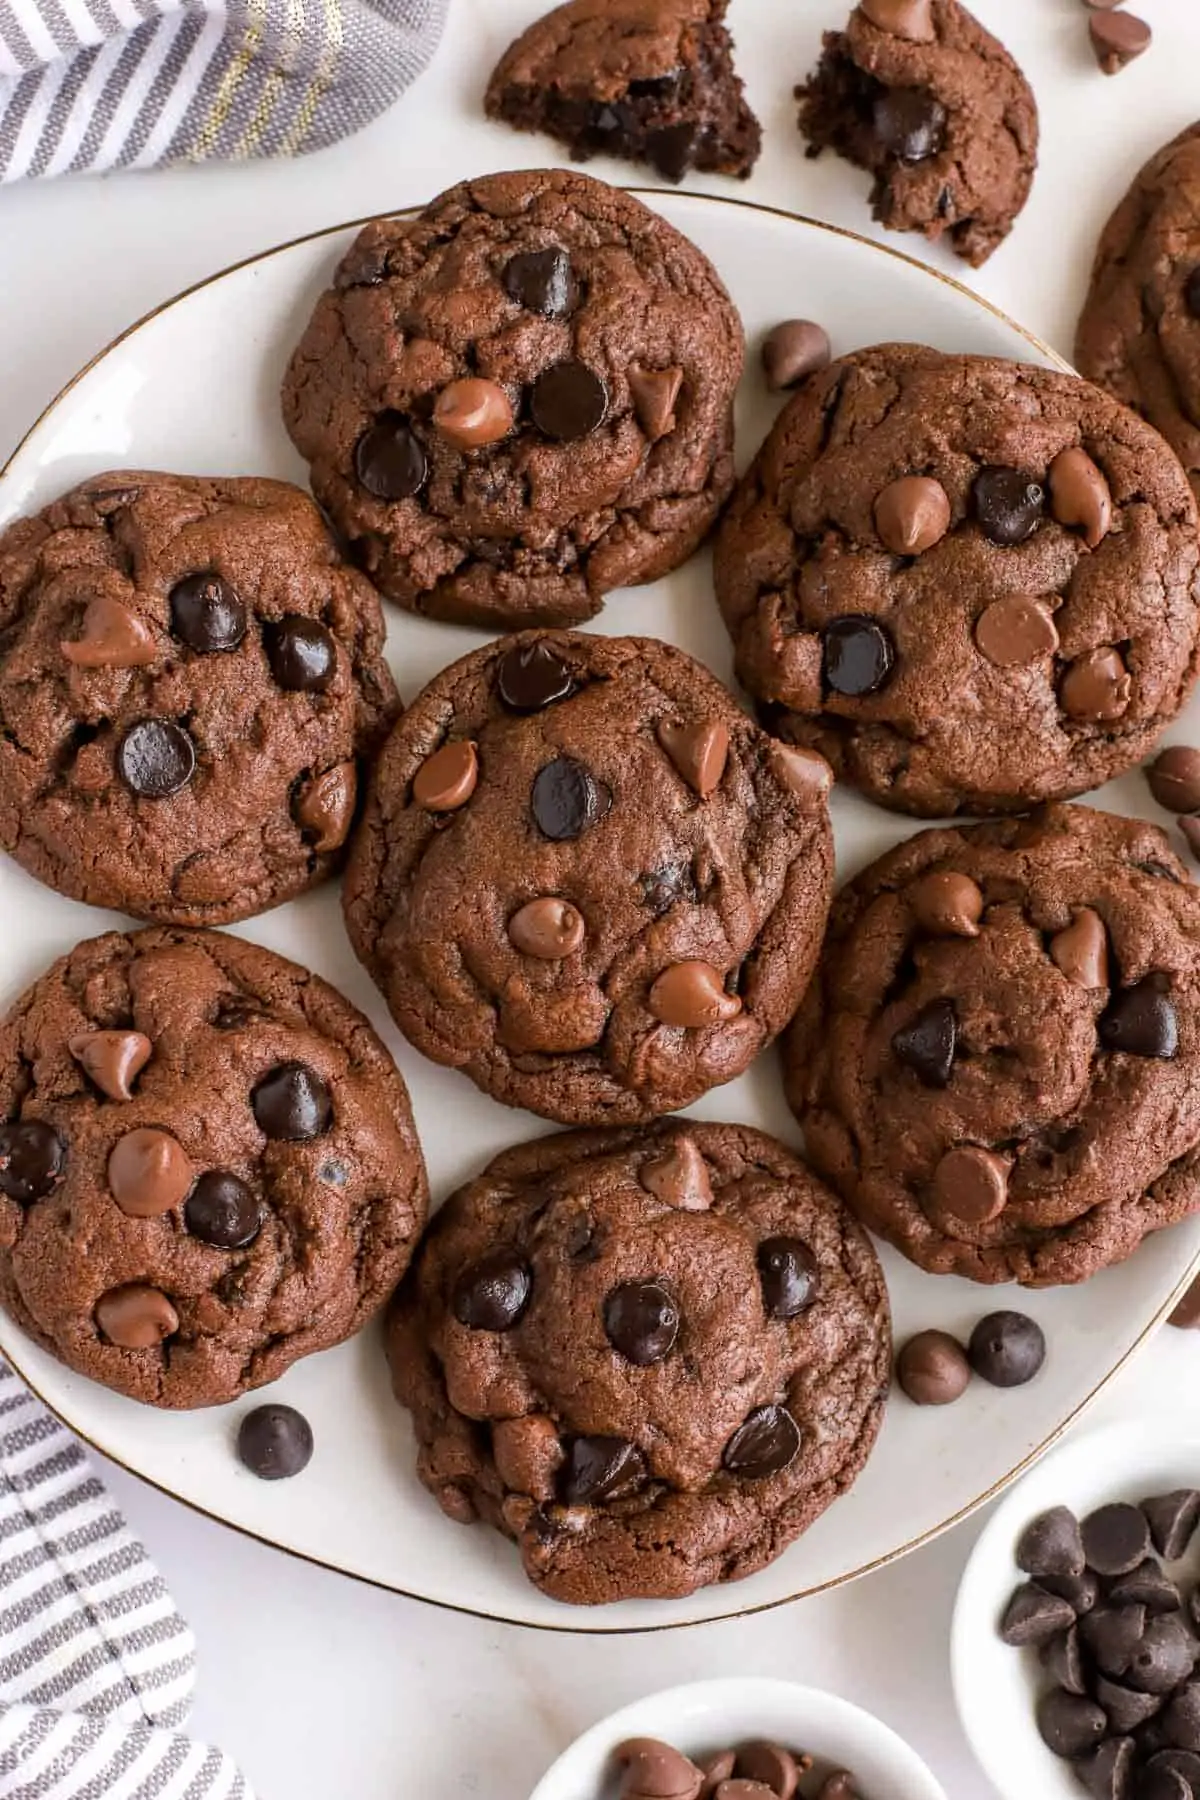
x=744, y=1738
x=1075, y=1649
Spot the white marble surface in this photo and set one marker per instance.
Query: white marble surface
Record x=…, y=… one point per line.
x=323, y=1688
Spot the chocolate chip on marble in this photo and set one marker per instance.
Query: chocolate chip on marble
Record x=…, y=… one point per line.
x=547, y=928
x=275, y=1442
x=699, y=751
x=787, y=1273
x=970, y=1185
x=655, y=394
x=1080, y=495
x=1174, y=778
x=1172, y=1519
x=1148, y=1585
x=472, y=413
x=927, y=1044
x=1124, y=1707
x=1141, y=1021
x=656, y=1771
x=947, y=904
x=794, y=350
x=1116, y=1539
x=1112, y=1634
x=149, y=1172
x=292, y=1104
x=207, y=614
x=1052, y=1544
x=599, y=1469
x=1080, y=950
x=1069, y=1725
x=771, y=1765
x=1164, y=1658
x=32, y=1159
x=692, y=995
x=909, y=122
x=1034, y=1615
x=932, y=1369
x=641, y=1321
x=1108, y=1771
x=1007, y=1349
x=1016, y=631
x=492, y=1294
x=857, y=655
x=156, y=758
x=566, y=800
x=136, y=1316
x=909, y=19
x=324, y=806
x=1008, y=505
x=389, y=460
x=568, y=402
x=542, y=282
x=302, y=654
x=766, y=1443
x=223, y=1210
x=447, y=778
x=112, y=1059
x=1097, y=687
x=1062, y=1659
x=679, y=1177
x=912, y=515
x=531, y=677
x=1117, y=38
x=111, y=637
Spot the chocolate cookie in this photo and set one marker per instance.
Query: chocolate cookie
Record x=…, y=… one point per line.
x=1139, y=332
x=651, y=1357
x=970, y=583
x=649, y=80
x=998, y=1062
x=934, y=107
x=587, y=879
x=520, y=399
x=208, y=1170
x=189, y=676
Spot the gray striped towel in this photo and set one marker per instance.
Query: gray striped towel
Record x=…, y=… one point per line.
x=96, y=1666
x=103, y=84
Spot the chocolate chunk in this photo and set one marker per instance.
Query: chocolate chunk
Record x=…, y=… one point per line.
x=787, y=1271
x=642, y=1322
x=112, y=637
x=970, y=1185
x=547, y=928
x=1016, y=631
x=699, y=752
x=1008, y=505
x=324, y=806
x=567, y=800
x=541, y=281
x=1117, y=38
x=531, y=677
x=679, y=1177
x=912, y=515
x=207, y=614
x=1165, y=1657
x=388, y=459
x=1124, y=1707
x=692, y=995
x=1034, y=1616
x=1097, y=687
x=655, y=393
x=1080, y=950
x=136, y=1316
x=909, y=123
x=1172, y=1519
x=1052, y=1545
x=292, y=1103
x=472, y=413
x=1141, y=1021
x=1069, y=1725
x=858, y=655
x=1116, y=1539
x=1080, y=495
x=302, y=655
x=156, y=758
x=1108, y=1772
x=223, y=1211
x=1062, y=1659
x=932, y=1369
x=149, y=1172
x=947, y=904
x=765, y=1444
x=795, y=349
x=1181, y=1721
x=1112, y=1634
x=32, y=1159
x=1007, y=1349
x=671, y=149
x=771, y=1766
x=1081, y=1591
x=1148, y=1585
x=447, y=779
x=1174, y=776
x=927, y=1045
x=494, y=1293
x=655, y=1771
x=113, y=1059
x=275, y=1442
x=568, y=401
x=599, y=1469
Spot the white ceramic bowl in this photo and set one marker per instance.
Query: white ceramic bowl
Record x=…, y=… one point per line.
x=708, y=1715
x=996, y=1687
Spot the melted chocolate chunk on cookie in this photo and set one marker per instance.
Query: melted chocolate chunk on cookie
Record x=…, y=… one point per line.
x=302, y=655
x=207, y=614
x=223, y=1210
x=764, y=1445
x=542, y=281
x=292, y=1104
x=909, y=123
x=927, y=1044
x=155, y=758
x=858, y=656
x=642, y=1322
x=492, y=1294
x=532, y=676
x=32, y=1159
x=389, y=460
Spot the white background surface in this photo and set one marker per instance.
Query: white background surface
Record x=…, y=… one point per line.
x=329, y=1691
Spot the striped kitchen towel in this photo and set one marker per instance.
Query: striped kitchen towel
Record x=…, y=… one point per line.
x=104, y=84
x=96, y=1666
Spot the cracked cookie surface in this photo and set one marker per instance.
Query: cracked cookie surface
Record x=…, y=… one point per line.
x=189, y=676
x=584, y=877
x=1139, y=332
x=934, y=107
x=997, y=1063
x=208, y=1167
x=970, y=584
x=519, y=400
x=651, y=1357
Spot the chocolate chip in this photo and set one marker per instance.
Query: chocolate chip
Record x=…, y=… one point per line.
x=1052, y=1545
x=1069, y=1725
x=1148, y=1585
x=567, y=800
x=1034, y=1616
x=149, y=1172
x=765, y=1444
x=531, y=677
x=716, y=1769
x=771, y=1765
x=292, y=1103
x=388, y=460
x=970, y=1186
x=655, y=394
x=671, y=149
x=1008, y=505
x=1107, y=1773
x=1174, y=776
x=795, y=349
x=1081, y=1591
x=324, y=806
x=787, y=1270
x=541, y=281
x=447, y=779
x=1141, y=1021
x=1112, y=1634
x=1080, y=495
x=1172, y=1519
x=275, y=1442
x=699, y=751
x=113, y=1059
x=1080, y=950
x=692, y=995
x=1164, y=1784
x=112, y=637
x=568, y=401
x=1124, y=1708
x=947, y=904
x=136, y=1316
x=1016, y=631
x=1165, y=1657
x=599, y=1469
x=655, y=1771
x=207, y=614
x=1062, y=1659
x=909, y=123
x=156, y=758
x=223, y=1211
x=679, y=1177
x=932, y=1369
x=302, y=655
x=857, y=655
x=1117, y=37
x=927, y=1045
x=1097, y=687
x=1191, y=293
x=912, y=515
x=1179, y=1762
x=492, y=1295
x=547, y=928
x=1181, y=1720
x=642, y=1322
x=472, y=413
x=32, y=1159
x=1007, y=1349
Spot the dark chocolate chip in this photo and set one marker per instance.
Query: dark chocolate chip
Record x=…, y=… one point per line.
x=1148, y=1585
x=1115, y=1539
x=32, y=1158
x=1163, y=1783
x=532, y=676
x=909, y=123
x=1008, y=505
x=765, y=1444
x=1180, y=1762
x=275, y=1442
x=1062, y=1659
x=1052, y=1545
x=223, y=1211
x=292, y=1103
x=1108, y=1773
x=1125, y=1708
x=1034, y=1616
x=601, y=1468
x=1165, y=1657
x=156, y=758
x=1172, y=1519
x=302, y=654
x=493, y=1294
x=927, y=1045
x=1083, y=1591
x=206, y=614
x=568, y=401
x=1070, y=1726
x=1007, y=1349
x=787, y=1270
x=567, y=800
x=388, y=459
x=1112, y=1634
x=541, y=281
x=642, y=1322
x=858, y=654
x=672, y=149
x=1181, y=1721
x=1141, y=1021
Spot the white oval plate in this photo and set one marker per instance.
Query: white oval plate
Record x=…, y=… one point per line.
x=194, y=388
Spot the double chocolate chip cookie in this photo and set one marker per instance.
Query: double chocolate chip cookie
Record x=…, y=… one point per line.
x=998, y=1063
x=520, y=399
x=651, y=1357
x=970, y=583
x=649, y=80
x=208, y=1166
x=189, y=676
x=1139, y=333
x=934, y=107
x=587, y=879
